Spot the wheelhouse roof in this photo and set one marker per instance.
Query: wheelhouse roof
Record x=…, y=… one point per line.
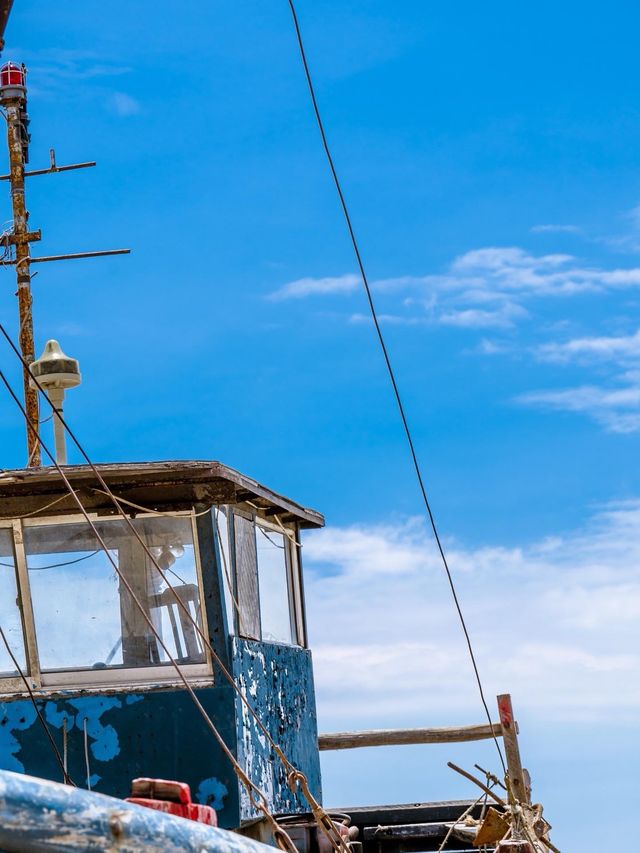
x=153, y=485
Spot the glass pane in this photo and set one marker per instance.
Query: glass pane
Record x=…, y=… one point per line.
x=274, y=587
x=221, y=525
x=9, y=612
x=86, y=619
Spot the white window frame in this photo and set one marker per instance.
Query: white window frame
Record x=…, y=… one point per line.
x=164, y=674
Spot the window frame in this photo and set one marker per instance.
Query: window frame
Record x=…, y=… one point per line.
x=164, y=674
x=293, y=575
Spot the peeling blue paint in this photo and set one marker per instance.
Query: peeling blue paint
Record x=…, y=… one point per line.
x=212, y=792
x=14, y=717
x=105, y=744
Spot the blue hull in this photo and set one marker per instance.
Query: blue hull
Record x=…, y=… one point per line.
x=38, y=815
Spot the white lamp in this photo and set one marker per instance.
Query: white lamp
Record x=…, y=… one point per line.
x=56, y=372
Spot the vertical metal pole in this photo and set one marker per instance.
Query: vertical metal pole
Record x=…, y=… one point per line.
x=56, y=395
x=23, y=271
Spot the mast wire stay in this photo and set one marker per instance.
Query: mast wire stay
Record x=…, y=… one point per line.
x=390, y=370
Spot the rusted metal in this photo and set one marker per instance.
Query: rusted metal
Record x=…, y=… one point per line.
x=5, y=10
x=77, y=255
x=32, y=173
x=14, y=107
x=53, y=168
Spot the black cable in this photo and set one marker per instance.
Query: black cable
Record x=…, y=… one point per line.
x=55, y=565
x=67, y=779
x=390, y=370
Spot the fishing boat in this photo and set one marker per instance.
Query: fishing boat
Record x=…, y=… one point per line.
x=156, y=682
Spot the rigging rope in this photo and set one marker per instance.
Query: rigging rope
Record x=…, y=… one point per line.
x=390, y=370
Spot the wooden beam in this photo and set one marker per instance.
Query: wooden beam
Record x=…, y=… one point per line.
x=405, y=737
x=517, y=776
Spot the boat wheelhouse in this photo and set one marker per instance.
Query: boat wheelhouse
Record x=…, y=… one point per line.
x=103, y=683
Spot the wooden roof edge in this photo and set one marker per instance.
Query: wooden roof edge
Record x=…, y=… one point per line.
x=24, y=482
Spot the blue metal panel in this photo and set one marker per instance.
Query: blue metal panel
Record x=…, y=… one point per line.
x=278, y=680
x=153, y=733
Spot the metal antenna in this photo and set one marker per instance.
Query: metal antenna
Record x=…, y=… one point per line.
x=13, y=97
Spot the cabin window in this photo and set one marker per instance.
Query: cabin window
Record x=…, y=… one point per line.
x=9, y=608
x=85, y=617
x=221, y=529
x=273, y=582
x=265, y=570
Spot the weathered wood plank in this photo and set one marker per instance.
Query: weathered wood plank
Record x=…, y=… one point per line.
x=517, y=776
x=247, y=578
x=402, y=737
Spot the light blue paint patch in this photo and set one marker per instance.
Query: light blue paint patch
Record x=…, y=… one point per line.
x=14, y=716
x=131, y=700
x=55, y=717
x=211, y=792
x=105, y=744
x=94, y=779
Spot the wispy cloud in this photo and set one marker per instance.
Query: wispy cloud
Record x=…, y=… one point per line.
x=478, y=318
x=56, y=64
x=621, y=348
x=556, y=229
x=124, y=105
x=303, y=287
x=615, y=408
x=585, y=583
x=483, y=288
x=615, y=404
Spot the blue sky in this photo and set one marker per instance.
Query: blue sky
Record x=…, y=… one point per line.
x=489, y=154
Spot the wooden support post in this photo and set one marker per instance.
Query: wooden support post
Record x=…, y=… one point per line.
x=402, y=737
x=519, y=788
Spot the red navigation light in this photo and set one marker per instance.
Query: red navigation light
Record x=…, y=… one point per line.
x=12, y=75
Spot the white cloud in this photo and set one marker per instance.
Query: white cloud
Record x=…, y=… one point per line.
x=390, y=319
x=617, y=409
x=478, y=318
x=623, y=347
x=503, y=278
x=556, y=623
x=124, y=105
x=489, y=347
x=317, y=287
x=556, y=229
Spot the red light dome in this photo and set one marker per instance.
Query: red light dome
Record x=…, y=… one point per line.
x=12, y=74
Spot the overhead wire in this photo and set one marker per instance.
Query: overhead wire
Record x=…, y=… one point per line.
x=295, y=776
x=390, y=370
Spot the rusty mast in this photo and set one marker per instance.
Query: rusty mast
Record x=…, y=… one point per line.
x=16, y=240
x=13, y=97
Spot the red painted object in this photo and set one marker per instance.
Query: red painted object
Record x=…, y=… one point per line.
x=12, y=75
x=172, y=798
